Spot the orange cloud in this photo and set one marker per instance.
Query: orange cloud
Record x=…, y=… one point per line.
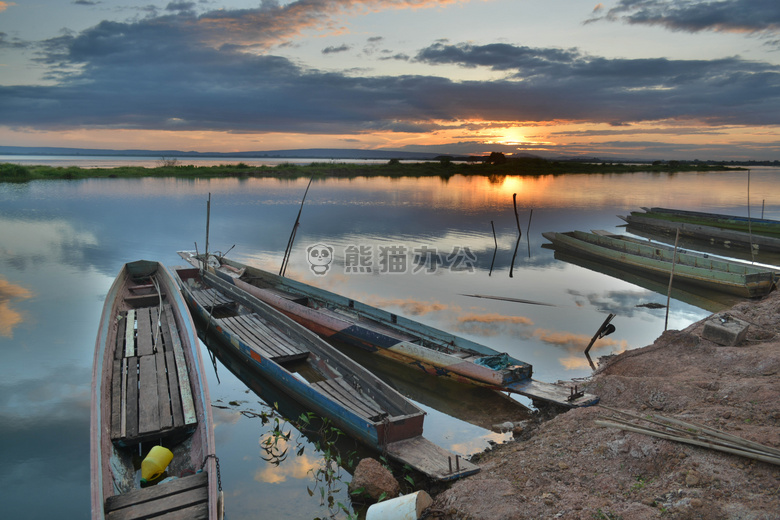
x=9, y=318
x=5, y=5
x=576, y=342
x=410, y=306
x=495, y=318
x=297, y=467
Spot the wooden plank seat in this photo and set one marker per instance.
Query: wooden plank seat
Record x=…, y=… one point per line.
x=342, y=392
x=151, y=394
x=210, y=299
x=265, y=339
x=184, y=498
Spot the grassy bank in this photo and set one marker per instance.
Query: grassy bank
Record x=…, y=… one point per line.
x=394, y=168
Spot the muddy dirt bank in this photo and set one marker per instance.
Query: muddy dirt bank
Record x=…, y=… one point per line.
x=568, y=467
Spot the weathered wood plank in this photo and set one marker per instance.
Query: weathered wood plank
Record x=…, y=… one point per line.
x=130, y=333
x=142, y=300
x=173, y=385
x=148, y=399
x=138, y=496
x=132, y=397
x=246, y=331
x=274, y=335
x=235, y=327
x=210, y=298
x=123, y=408
x=187, y=404
x=340, y=391
x=163, y=392
x=157, y=500
x=165, y=330
x=194, y=512
x=430, y=459
x=121, y=332
x=251, y=329
x=116, y=399
x=158, y=507
x=144, y=346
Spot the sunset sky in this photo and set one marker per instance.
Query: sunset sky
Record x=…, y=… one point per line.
x=653, y=79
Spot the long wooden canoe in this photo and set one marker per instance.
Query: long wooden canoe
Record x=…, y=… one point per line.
x=759, y=226
x=725, y=231
x=736, y=278
x=395, y=337
x=149, y=389
x=316, y=374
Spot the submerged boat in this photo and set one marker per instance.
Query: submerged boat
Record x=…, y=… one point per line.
x=317, y=375
x=149, y=396
x=655, y=259
x=426, y=348
x=725, y=231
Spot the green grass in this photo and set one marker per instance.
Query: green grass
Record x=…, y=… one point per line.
x=444, y=169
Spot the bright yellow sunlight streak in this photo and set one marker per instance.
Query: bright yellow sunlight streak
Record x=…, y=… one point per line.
x=511, y=135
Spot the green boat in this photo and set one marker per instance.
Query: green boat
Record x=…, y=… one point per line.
x=725, y=231
x=657, y=260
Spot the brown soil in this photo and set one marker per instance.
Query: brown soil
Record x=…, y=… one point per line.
x=570, y=468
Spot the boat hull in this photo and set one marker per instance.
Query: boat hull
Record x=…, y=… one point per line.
x=112, y=469
x=657, y=260
x=726, y=239
x=376, y=434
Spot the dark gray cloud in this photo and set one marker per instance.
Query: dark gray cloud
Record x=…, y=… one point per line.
x=173, y=72
x=336, y=50
x=751, y=16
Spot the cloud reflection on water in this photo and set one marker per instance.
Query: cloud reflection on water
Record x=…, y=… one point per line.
x=10, y=317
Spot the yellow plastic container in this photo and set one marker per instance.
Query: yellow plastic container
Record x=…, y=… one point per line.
x=155, y=463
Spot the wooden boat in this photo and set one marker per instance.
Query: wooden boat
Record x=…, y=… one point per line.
x=707, y=299
x=655, y=259
x=725, y=231
x=149, y=389
x=759, y=226
x=316, y=374
x=423, y=347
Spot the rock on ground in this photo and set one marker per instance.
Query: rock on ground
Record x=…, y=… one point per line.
x=570, y=468
x=374, y=479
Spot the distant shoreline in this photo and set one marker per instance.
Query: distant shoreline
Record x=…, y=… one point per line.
x=444, y=167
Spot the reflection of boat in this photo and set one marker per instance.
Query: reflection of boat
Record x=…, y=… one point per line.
x=726, y=231
x=431, y=350
x=149, y=389
x=709, y=300
x=657, y=260
x=323, y=379
x=278, y=400
x=479, y=406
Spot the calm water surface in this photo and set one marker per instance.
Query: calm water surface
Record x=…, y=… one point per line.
x=63, y=242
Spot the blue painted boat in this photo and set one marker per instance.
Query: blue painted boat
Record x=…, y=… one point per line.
x=419, y=346
x=149, y=389
x=316, y=374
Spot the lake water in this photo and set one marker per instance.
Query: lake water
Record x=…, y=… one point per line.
x=63, y=242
